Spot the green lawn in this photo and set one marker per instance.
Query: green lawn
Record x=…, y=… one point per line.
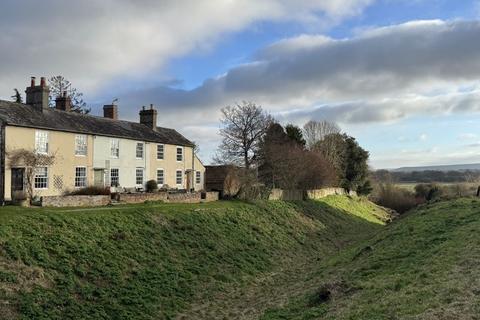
x=423, y=266
x=155, y=261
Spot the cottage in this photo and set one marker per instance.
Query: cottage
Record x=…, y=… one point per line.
x=91, y=150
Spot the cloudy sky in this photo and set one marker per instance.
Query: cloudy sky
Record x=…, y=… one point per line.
x=403, y=76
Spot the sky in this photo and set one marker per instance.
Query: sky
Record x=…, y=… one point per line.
x=402, y=76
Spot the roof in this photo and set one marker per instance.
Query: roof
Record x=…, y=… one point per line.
x=22, y=115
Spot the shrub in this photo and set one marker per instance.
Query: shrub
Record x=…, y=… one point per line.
x=151, y=186
x=428, y=192
x=398, y=199
x=90, y=191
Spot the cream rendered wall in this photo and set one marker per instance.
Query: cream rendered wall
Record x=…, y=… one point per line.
x=62, y=144
x=127, y=162
x=170, y=165
x=200, y=167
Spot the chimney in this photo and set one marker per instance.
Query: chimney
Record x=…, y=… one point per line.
x=37, y=96
x=63, y=102
x=110, y=111
x=149, y=117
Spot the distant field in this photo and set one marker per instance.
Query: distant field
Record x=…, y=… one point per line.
x=411, y=185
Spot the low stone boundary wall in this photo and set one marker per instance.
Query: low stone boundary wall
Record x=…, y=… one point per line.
x=210, y=196
x=296, y=195
x=288, y=195
x=141, y=197
x=75, y=201
x=324, y=192
x=195, y=197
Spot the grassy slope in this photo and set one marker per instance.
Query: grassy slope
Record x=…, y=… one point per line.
x=152, y=261
x=423, y=266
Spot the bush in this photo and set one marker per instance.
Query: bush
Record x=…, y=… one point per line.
x=428, y=192
x=398, y=199
x=151, y=186
x=91, y=191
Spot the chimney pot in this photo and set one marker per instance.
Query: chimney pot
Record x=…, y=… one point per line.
x=37, y=96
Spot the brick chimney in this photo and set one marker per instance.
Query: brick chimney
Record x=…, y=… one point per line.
x=37, y=96
x=148, y=117
x=63, y=102
x=110, y=111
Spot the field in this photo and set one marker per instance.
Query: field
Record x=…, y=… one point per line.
x=167, y=261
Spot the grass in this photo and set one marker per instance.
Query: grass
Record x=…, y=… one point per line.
x=423, y=266
x=161, y=261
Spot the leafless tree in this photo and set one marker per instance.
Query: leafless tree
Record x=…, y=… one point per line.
x=30, y=160
x=58, y=84
x=315, y=131
x=243, y=127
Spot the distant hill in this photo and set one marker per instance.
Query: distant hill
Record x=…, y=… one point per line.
x=454, y=167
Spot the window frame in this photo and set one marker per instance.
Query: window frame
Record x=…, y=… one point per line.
x=136, y=176
x=163, y=176
x=182, y=153
x=83, y=178
x=115, y=145
x=42, y=177
x=38, y=136
x=136, y=150
x=181, y=177
x=198, y=177
x=117, y=177
x=163, y=151
x=77, y=154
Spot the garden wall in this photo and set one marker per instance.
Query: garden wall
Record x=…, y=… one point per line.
x=75, y=201
x=141, y=197
x=210, y=196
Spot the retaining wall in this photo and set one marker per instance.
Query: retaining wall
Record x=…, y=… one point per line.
x=210, y=196
x=75, y=201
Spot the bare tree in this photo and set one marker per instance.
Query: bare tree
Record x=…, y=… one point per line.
x=58, y=85
x=315, y=131
x=243, y=127
x=30, y=160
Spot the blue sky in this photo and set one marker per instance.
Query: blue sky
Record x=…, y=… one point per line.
x=401, y=76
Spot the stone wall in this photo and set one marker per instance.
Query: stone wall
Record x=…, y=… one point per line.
x=142, y=197
x=194, y=197
x=75, y=201
x=295, y=195
x=210, y=196
x=288, y=195
x=324, y=192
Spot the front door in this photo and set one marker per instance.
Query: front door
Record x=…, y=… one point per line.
x=99, y=178
x=18, y=183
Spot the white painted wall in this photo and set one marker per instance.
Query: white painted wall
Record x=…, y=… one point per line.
x=127, y=162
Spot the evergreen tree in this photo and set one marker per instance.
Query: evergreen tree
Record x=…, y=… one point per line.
x=295, y=134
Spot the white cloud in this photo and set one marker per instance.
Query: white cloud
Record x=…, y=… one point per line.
x=92, y=42
x=423, y=137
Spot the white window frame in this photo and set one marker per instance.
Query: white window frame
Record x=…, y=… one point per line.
x=81, y=145
x=136, y=150
x=198, y=177
x=114, y=148
x=117, y=177
x=181, y=154
x=162, y=152
x=181, y=177
x=81, y=178
x=163, y=177
x=40, y=177
x=136, y=176
x=41, y=141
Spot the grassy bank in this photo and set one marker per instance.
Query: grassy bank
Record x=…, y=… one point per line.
x=154, y=261
x=423, y=266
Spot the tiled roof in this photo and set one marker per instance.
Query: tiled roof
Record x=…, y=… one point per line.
x=17, y=114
